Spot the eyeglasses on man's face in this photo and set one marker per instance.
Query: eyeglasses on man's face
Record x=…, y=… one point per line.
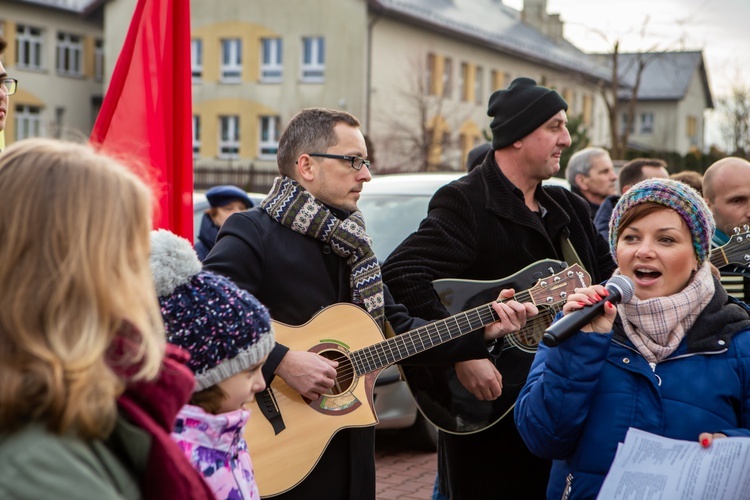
x=8, y=85
x=355, y=161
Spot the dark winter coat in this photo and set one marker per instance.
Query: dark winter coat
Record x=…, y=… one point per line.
x=206, y=237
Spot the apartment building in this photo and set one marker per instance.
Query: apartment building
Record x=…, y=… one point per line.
x=57, y=56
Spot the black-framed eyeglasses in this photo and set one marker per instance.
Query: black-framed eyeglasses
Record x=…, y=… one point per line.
x=8, y=85
x=355, y=161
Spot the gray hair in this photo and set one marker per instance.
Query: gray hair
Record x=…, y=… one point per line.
x=581, y=162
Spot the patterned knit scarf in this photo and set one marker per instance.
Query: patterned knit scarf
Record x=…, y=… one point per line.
x=657, y=326
x=292, y=206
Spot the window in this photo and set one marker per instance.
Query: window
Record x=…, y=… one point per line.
x=692, y=126
x=28, y=122
x=229, y=137
x=196, y=59
x=497, y=80
x=269, y=136
x=196, y=136
x=69, y=55
x=231, y=60
x=463, y=82
x=99, y=60
x=447, y=77
x=624, y=124
x=647, y=123
x=479, y=85
x=588, y=110
x=430, y=75
x=28, y=47
x=313, y=59
x=271, y=69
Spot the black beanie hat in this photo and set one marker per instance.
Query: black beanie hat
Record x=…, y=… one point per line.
x=520, y=109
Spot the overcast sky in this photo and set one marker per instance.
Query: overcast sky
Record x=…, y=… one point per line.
x=721, y=28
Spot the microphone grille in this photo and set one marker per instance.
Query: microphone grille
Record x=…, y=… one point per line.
x=625, y=284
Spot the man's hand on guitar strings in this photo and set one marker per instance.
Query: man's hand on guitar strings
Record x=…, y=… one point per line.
x=481, y=378
x=308, y=373
x=512, y=316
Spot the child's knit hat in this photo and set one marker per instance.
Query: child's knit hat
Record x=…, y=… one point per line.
x=675, y=195
x=224, y=328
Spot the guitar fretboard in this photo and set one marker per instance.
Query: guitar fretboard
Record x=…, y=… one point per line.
x=402, y=346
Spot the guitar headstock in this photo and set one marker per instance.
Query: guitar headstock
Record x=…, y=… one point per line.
x=556, y=287
x=736, y=251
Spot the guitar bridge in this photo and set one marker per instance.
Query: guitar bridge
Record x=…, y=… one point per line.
x=269, y=407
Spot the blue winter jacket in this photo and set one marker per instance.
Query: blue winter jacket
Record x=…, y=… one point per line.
x=581, y=397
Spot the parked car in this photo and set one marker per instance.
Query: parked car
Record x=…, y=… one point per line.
x=393, y=206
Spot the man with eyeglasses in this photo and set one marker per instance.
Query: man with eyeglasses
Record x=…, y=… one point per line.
x=7, y=88
x=305, y=248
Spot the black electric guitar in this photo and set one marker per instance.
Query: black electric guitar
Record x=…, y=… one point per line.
x=287, y=434
x=735, y=252
x=439, y=394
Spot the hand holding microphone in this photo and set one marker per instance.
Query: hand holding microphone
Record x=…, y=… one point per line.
x=619, y=289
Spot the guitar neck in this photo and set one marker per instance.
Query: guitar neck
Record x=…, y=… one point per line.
x=408, y=344
x=718, y=258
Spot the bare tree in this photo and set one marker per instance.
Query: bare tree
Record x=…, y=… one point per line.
x=415, y=132
x=735, y=114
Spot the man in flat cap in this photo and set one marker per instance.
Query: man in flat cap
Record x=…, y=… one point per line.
x=224, y=201
x=488, y=225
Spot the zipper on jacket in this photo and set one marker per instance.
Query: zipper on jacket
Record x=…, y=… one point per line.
x=658, y=378
x=568, y=486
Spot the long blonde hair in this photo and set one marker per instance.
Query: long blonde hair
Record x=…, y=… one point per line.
x=74, y=278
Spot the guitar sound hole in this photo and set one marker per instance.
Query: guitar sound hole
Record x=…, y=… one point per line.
x=344, y=372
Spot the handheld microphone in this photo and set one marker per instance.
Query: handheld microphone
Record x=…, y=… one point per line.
x=620, y=290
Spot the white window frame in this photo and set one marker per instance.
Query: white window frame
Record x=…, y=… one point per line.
x=231, y=61
x=646, y=124
x=29, y=47
x=271, y=60
x=196, y=136
x=69, y=54
x=28, y=121
x=269, y=128
x=313, y=59
x=196, y=59
x=229, y=137
x=624, y=124
x=99, y=60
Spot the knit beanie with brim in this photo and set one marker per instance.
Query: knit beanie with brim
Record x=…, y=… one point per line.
x=520, y=109
x=676, y=195
x=223, y=327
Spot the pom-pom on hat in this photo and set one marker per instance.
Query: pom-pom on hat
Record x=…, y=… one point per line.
x=520, y=109
x=224, y=328
x=218, y=196
x=676, y=195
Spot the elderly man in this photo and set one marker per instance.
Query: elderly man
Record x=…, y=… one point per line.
x=490, y=224
x=591, y=174
x=726, y=189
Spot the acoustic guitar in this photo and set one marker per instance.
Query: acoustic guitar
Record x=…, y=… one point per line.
x=287, y=434
x=439, y=394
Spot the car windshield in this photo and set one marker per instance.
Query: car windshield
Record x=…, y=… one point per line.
x=391, y=218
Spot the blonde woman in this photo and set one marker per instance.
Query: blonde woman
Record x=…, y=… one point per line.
x=87, y=395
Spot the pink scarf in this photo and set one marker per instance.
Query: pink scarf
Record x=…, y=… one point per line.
x=657, y=326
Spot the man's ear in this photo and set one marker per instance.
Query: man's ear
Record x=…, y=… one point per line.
x=580, y=181
x=305, y=167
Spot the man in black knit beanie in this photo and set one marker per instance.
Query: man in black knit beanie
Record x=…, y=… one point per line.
x=488, y=225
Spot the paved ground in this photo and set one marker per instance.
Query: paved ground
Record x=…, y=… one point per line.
x=402, y=473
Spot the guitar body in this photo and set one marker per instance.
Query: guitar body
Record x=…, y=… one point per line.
x=282, y=460
x=439, y=394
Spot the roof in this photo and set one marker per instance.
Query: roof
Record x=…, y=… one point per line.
x=666, y=75
x=75, y=6
x=494, y=25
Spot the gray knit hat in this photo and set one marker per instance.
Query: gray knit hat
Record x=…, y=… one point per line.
x=224, y=328
x=520, y=109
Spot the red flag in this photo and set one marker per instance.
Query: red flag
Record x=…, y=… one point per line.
x=145, y=118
